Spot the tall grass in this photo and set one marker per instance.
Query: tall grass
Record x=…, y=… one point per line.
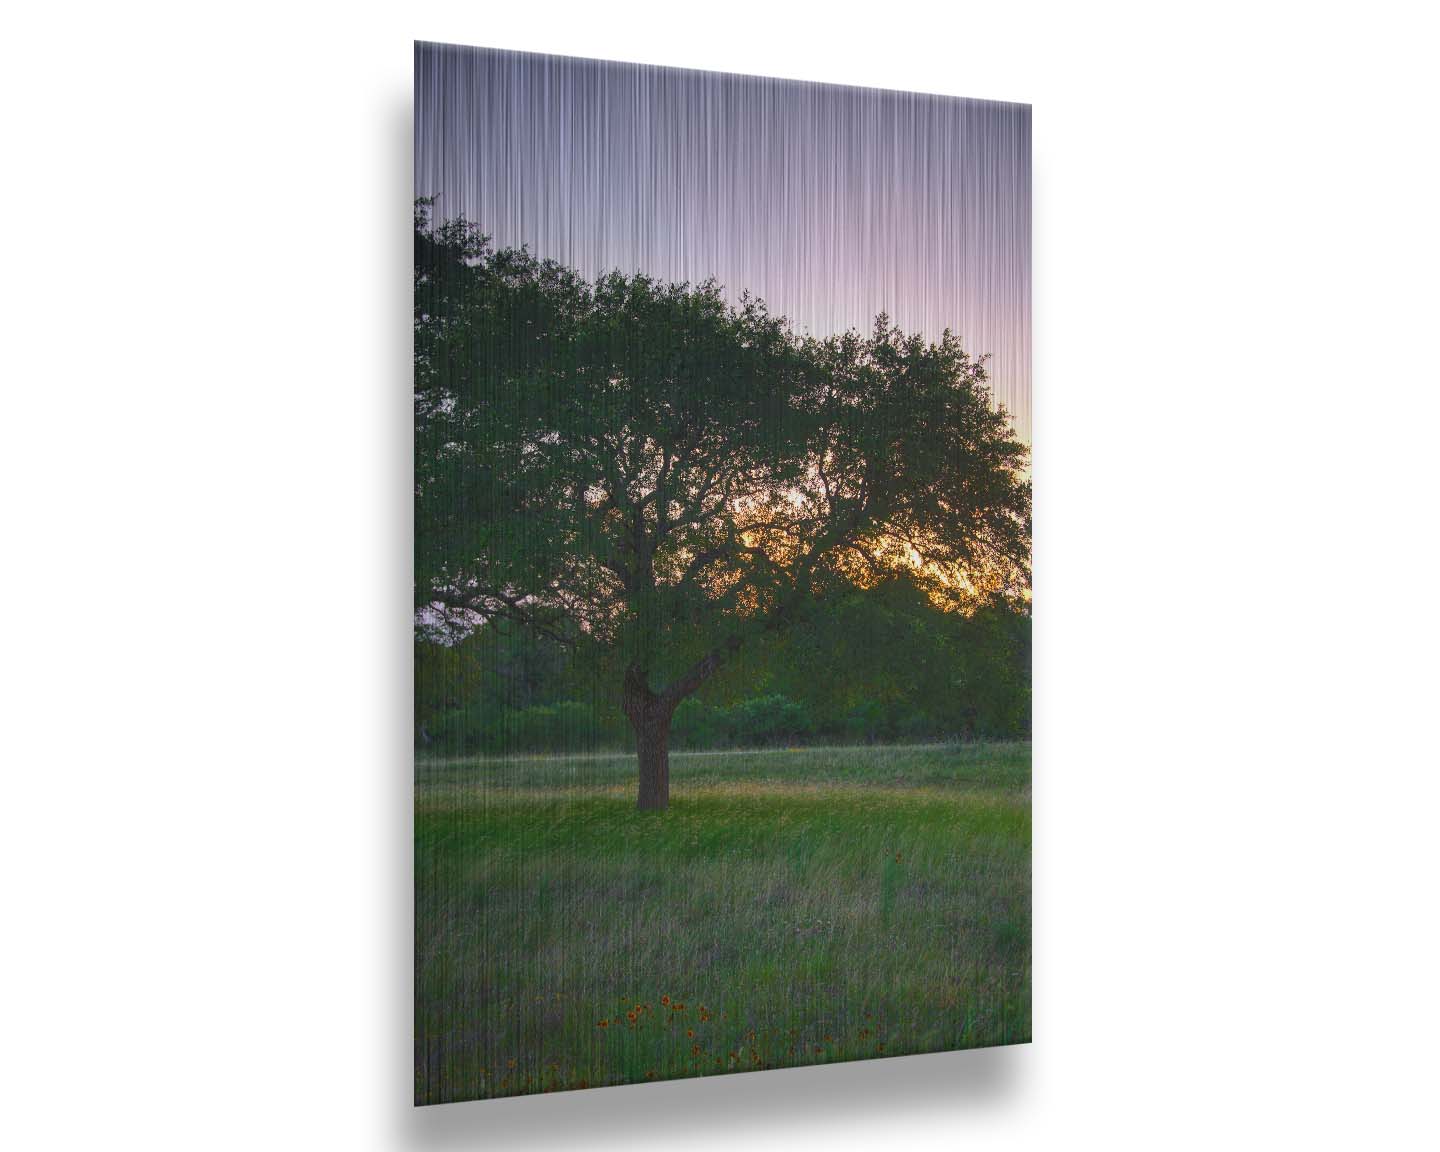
x=789, y=908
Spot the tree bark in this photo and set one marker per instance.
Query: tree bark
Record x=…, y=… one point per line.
x=649, y=716
x=650, y=713
x=652, y=743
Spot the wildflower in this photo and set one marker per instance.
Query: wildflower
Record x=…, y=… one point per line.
x=690, y=1032
x=664, y=999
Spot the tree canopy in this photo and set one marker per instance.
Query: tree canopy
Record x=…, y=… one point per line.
x=648, y=472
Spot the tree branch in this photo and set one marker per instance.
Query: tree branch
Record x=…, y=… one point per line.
x=698, y=673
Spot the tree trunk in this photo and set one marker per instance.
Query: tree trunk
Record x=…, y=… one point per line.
x=649, y=715
x=652, y=744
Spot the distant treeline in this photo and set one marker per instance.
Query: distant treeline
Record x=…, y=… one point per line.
x=874, y=666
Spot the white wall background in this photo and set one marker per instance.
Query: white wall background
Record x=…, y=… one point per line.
x=204, y=458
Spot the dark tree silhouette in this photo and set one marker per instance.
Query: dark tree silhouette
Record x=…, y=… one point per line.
x=641, y=469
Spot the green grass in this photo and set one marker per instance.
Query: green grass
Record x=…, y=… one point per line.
x=803, y=906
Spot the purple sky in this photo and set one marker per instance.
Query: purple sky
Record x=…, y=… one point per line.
x=831, y=203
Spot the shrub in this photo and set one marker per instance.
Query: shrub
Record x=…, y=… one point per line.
x=564, y=726
x=764, y=720
x=697, y=725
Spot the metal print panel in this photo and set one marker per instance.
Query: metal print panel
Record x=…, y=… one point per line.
x=722, y=572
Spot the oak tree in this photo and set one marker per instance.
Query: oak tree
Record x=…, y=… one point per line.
x=647, y=471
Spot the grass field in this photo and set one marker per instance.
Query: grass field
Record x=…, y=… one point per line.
x=791, y=907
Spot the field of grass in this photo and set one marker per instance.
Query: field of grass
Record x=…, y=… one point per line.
x=791, y=907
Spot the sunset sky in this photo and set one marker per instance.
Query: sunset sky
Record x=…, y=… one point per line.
x=830, y=203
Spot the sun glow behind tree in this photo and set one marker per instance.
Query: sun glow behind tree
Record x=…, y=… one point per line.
x=645, y=470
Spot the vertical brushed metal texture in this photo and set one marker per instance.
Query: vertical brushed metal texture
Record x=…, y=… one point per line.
x=831, y=203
